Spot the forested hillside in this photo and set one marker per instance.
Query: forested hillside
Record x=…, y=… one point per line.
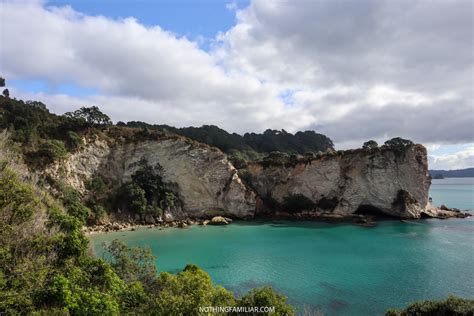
x=460, y=173
x=250, y=144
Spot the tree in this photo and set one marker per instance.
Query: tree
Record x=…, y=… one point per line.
x=148, y=178
x=6, y=93
x=371, y=144
x=91, y=116
x=133, y=264
x=451, y=306
x=133, y=196
x=398, y=142
x=2, y=82
x=183, y=293
x=266, y=296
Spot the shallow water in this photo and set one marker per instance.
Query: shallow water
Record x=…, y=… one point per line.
x=339, y=269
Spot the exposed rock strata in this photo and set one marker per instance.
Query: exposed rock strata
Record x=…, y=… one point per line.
x=388, y=181
x=384, y=180
x=205, y=181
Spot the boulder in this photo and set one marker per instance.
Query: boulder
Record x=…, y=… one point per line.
x=219, y=220
x=149, y=219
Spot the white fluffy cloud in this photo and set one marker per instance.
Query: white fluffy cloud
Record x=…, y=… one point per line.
x=365, y=69
x=353, y=70
x=458, y=160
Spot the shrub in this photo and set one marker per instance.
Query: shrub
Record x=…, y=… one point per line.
x=453, y=305
x=72, y=201
x=133, y=264
x=133, y=197
x=74, y=141
x=50, y=151
x=266, y=296
x=97, y=187
x=183, y=293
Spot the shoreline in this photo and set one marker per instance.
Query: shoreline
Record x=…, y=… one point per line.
x=368, y=221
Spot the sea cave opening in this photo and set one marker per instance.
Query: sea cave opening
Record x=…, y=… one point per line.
x=367, y=209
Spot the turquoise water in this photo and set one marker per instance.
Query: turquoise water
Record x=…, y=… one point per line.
x=454, y=192
x=339, y=269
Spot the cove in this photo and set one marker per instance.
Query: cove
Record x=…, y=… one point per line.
x=339, y=269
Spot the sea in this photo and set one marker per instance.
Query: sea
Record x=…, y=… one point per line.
x=327, y=268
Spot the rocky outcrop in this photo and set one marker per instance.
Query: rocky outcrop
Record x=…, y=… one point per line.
x=204, y=180
x=383, y=180
x=220, y=220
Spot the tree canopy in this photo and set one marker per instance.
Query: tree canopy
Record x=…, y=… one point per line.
x=90, y=116
x=371, y=144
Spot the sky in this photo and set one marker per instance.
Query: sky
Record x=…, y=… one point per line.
x=352, y=70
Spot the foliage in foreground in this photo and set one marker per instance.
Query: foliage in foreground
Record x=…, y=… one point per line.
x=45, y=268
x=453, y=306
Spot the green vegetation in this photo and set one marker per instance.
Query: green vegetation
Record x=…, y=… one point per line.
x=266, y=297
x=371, y=144
x=89, y=117
x=250, y=146
x=398, y=142
x=48, y=152
x=146, y=193
x=45, y=268
x=454, y=306
x=45, y=137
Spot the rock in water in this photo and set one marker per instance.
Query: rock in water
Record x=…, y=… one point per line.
x=219, y=220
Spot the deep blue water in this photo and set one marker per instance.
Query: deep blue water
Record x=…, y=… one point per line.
x=339, y=269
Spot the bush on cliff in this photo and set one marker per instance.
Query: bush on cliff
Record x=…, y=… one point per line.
x=146, y=193
x=48, y=152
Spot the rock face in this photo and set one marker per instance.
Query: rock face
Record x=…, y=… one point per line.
x=202, y=177
x=390, y=181
x=382, y=180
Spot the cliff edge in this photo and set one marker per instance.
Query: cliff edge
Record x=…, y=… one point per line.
x=201, y=176
x=378, y=181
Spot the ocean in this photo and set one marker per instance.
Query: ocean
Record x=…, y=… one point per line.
x=337, y=269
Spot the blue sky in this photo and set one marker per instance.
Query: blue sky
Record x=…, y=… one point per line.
x=189, y=18
x=249, y=65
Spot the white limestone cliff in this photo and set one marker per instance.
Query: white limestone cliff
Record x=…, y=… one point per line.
x=389, y=181
x=203, y=178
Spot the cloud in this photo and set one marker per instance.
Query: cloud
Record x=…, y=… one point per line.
x=458, y=160
x=354, y=70
x=146, y=72
x=364, y=69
